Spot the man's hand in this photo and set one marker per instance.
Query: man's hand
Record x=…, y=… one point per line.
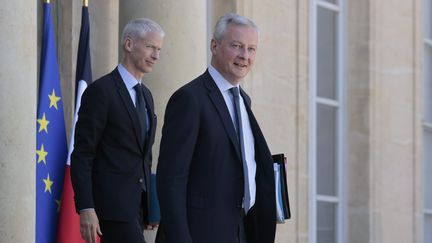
x=89, y=225
x=151, y=226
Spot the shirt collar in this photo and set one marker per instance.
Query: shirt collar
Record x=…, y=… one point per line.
x=220, y=81
x=129, y=80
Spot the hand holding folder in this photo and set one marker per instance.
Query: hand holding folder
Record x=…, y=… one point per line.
x=282, y=198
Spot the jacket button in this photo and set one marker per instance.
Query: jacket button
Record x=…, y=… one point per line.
x=140, y=180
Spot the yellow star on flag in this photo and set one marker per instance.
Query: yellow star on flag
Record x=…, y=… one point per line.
x=43, y=124
x=42, y=154
x=48, y=183
x=53, y=100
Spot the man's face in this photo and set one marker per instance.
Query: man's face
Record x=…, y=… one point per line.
x=144, y=52
x=235, y=54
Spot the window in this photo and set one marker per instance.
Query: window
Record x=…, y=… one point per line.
x=427, y=121
x=327, y=104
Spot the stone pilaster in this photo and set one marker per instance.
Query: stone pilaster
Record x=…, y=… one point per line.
x=184, y=52
x=394, y=120
x=19, y=77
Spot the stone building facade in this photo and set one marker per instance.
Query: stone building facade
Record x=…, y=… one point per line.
x=342, y=87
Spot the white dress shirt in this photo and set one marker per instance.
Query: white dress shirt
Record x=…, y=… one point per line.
x=130, y=81
x=249, y=142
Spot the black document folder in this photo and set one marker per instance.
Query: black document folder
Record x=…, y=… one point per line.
x=154, y=209
x=282, y=197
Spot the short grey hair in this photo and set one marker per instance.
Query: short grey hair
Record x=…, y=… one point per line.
x=140, y=27
x=231, y=19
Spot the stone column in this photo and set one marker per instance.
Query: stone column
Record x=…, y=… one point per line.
x=67, y=19
x=216, y=9
x=184, y=52
x=103, y=17
x=104, y=26
x=395, y=121
x=18, y=86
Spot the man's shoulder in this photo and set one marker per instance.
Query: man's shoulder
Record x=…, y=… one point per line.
x=192, y=92
x=198, y=83
x=103, y=82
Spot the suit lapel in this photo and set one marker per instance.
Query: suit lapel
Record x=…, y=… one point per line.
x=127, y=101
x=219, y=102
x=261, y=147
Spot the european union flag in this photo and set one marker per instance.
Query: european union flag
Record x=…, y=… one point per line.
x=51, y=145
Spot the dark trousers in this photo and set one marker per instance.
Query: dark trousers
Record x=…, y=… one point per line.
x=241, y=236
x=124, y=232
x=121, y=232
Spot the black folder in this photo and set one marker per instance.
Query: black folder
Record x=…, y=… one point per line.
x=154, y=209
x=280, y=160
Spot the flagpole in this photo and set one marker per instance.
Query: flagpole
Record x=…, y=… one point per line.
x=85, y=3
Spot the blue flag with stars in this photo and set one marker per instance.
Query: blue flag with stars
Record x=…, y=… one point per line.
x=51, y=145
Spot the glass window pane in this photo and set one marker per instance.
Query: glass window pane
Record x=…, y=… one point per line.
x=428, y=228
x=326, y=150
x=326, y=222
x=427, y=82
x=330, y=1
x=427, y=143
x=326, y=53
x=427, y=15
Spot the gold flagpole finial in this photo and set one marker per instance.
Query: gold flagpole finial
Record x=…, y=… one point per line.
x=85, y=3
x=46, y=1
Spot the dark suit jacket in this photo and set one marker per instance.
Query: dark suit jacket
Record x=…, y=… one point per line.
x=109, y=164
x=200, y=177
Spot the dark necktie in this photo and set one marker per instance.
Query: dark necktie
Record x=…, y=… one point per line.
x=141, y=111
x=238, y=120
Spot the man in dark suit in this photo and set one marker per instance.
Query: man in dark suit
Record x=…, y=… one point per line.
x=215, y=172
x=114, y=134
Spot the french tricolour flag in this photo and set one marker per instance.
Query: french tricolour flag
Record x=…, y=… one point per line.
x=68, y=229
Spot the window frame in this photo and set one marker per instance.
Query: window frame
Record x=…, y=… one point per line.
x=340, y=104
x=427, y=105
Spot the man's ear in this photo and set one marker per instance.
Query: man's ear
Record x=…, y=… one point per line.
x=213, y=46
x=128, y=44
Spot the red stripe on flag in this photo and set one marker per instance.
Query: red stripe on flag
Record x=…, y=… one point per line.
x=69, y=221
